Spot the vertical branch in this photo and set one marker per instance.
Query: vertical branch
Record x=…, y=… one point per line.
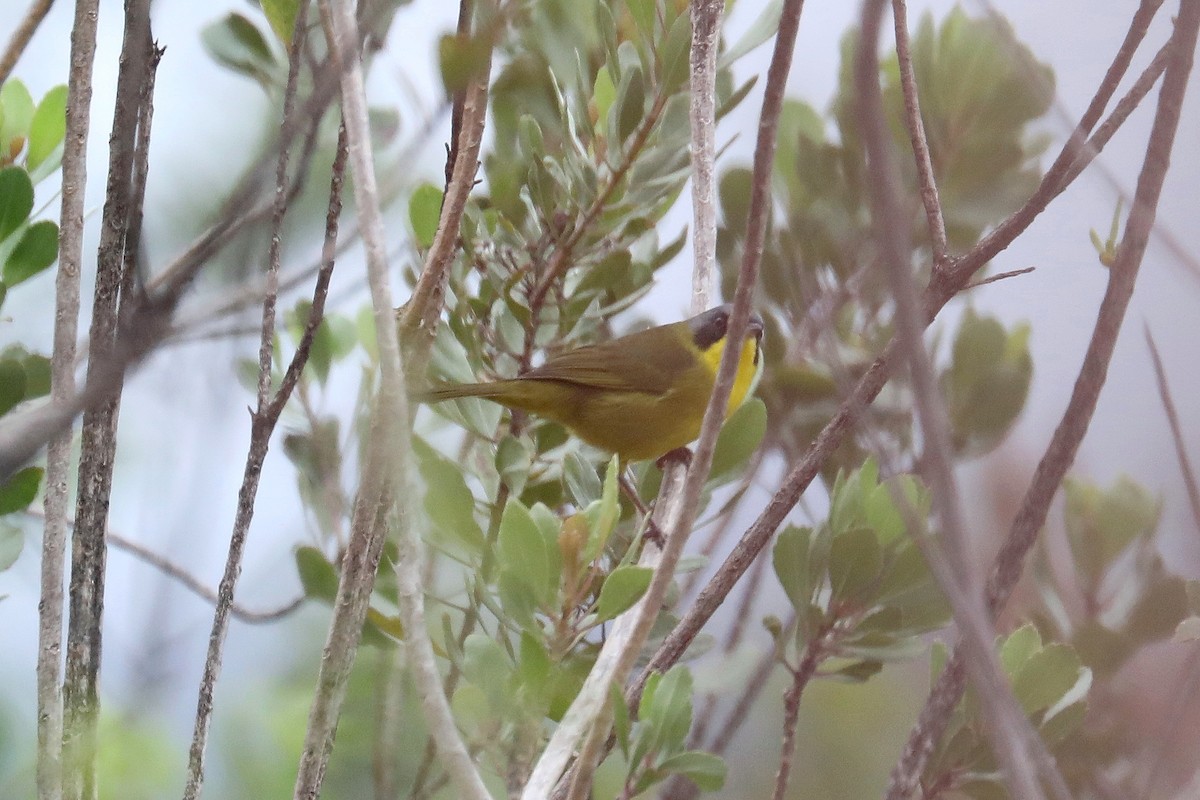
x=98, y=439
x=791, y=715
x=1064, y=444
x=262, y=424
x=419, y=319
x=916, y=134
x=706, y=21
x=385, y=476
x=58, y=456
x=21, y=36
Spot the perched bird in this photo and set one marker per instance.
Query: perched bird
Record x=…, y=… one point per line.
x=639, y=396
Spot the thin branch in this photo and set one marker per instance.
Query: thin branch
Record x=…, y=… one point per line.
x=21, y=36
x=1000, y=276
x=62, y=387
x=262, y=425
x=791, y=715
x=122, y=210
x=420, y=316
x=916, y=134
x=195, y=585
x=1185, y=464
x=1064, y=444
x=385, y=476
x=706, y=21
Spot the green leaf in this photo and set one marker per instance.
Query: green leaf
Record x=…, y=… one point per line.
x=20, y=489
x=666, y=713
x=526, y=553
x=855, y=560
x=281, y=14
x=318, y=577
x=603, y=94
x=514, y=456
x=461, y=58
x=35, y=251
x=790, y=558
x=12, y=542
x=16, y=199
x=12, y=384
x=18, y=113
x=602, y=517
x=424, y=210
x=448, y=502
x=762, y=29
x=676, y=64
x=582, y=482
x=740, y=437
x=703, y=769
x=631, y=104
x=1019, y=647
x=1046, y=676
x=237, y=44
x=643, y=12
x=623, y=587
x=47, y=129
x=37, y=375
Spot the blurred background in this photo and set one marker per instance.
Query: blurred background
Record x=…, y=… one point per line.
x=184, y=422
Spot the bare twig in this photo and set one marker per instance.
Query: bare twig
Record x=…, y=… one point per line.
x=419, y=320
x=195, y=585
x=1064, y=444
x=21, y=36
x=385, y=476
x=916, y=134
x=1164, y=394
x=262, y=425
x=706, y=21
x=58, y=457
x=1000, y=276
x=791, y=715
x=122, y=210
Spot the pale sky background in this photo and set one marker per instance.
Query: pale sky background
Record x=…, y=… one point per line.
x=184, y=424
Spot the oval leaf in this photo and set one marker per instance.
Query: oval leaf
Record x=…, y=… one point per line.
x=622, y=588
x=36, y=250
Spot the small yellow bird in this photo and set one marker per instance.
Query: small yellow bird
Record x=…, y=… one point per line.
x=639, y=396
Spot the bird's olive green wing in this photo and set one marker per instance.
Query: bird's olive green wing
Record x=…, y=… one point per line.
x=646, y=362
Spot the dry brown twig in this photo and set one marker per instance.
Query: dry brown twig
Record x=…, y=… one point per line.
x=267, y=410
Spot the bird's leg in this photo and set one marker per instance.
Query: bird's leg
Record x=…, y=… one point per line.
x=652, y=532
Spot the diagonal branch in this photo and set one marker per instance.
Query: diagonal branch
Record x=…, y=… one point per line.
x=21, y=36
